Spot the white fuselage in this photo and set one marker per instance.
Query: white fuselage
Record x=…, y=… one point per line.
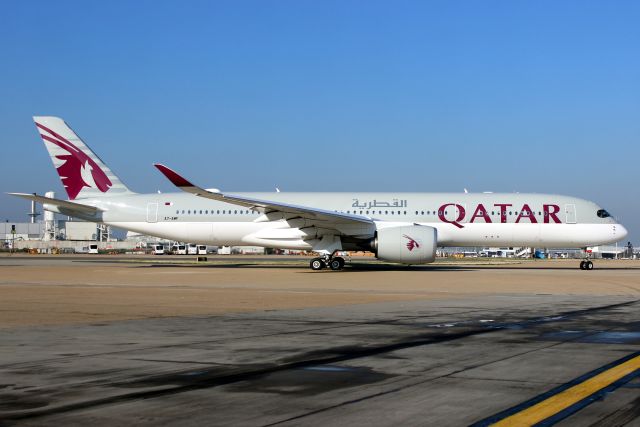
x=460, y=219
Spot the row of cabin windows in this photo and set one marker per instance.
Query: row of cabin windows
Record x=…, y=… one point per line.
x=252, y=212
x=374, y=212
x=217, y=212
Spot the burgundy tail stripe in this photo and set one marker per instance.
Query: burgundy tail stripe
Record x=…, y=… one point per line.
x=62, y=138
x=60, y=144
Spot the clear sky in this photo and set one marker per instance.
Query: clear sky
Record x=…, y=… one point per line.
x=528, y=96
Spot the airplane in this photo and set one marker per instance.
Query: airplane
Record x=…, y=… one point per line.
x=405, y=228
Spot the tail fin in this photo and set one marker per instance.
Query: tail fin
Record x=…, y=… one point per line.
x=81, y=171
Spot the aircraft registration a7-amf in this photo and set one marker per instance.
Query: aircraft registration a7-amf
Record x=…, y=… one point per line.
x=404, y=228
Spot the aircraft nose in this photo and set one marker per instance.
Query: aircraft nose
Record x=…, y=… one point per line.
x=620, y=231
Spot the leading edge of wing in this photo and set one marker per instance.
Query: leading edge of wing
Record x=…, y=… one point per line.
x=270, y=205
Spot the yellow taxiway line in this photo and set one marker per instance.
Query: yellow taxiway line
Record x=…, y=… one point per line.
x=563, y=400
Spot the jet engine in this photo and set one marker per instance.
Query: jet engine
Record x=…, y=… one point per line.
x=412, y=244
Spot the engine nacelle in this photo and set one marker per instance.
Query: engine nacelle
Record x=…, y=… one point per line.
x=412, y=244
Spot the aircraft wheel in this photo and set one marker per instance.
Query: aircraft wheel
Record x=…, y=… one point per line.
x=317, y=264
x=337, y=263
x=588, y=265
x=582, y=263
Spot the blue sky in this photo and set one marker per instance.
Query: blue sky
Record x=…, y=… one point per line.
x=528, y=96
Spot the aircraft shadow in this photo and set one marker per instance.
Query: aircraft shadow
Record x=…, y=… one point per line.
x=350, y=268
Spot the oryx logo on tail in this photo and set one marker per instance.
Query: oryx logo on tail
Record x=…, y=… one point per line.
x=78, y=170
x=412, y=243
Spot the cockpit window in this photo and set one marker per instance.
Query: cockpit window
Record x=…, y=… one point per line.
x=603, y=214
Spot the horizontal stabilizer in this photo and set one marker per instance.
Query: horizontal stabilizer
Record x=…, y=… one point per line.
x=72, y=206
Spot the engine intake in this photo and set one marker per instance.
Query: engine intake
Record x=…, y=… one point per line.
x=412, y=244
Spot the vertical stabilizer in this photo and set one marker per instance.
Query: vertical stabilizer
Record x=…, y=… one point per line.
x=81, y=171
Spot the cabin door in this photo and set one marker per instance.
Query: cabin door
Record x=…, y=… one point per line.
x=152, y=212
x=570, y=212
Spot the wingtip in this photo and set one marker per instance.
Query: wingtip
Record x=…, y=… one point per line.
x=175, y=178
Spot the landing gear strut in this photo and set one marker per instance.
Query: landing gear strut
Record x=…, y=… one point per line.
x=333, y=262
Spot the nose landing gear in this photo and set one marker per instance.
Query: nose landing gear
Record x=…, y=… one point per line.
x=586, y=265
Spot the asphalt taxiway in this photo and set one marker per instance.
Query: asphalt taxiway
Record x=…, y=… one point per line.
x=99, y=342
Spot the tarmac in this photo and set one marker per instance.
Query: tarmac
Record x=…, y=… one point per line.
x=261, y=341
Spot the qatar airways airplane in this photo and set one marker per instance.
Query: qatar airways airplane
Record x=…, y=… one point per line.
x=405, y=228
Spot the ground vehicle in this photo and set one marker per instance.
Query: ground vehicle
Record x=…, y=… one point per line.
x=93, y=249
x=202, y=249
x=158, y=249
x=498, y=252
x=178, y=250
x=192, y=249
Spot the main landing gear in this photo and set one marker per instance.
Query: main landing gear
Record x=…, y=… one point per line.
x=335, y=263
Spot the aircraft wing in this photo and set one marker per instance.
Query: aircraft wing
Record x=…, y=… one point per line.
x=64, y=204
x=267, y=206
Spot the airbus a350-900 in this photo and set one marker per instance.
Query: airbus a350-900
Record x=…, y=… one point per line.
x=399, y=227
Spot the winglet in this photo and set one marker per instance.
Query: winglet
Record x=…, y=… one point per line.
x=173, y=176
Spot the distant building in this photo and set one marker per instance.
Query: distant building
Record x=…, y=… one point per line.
x=23, y=231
